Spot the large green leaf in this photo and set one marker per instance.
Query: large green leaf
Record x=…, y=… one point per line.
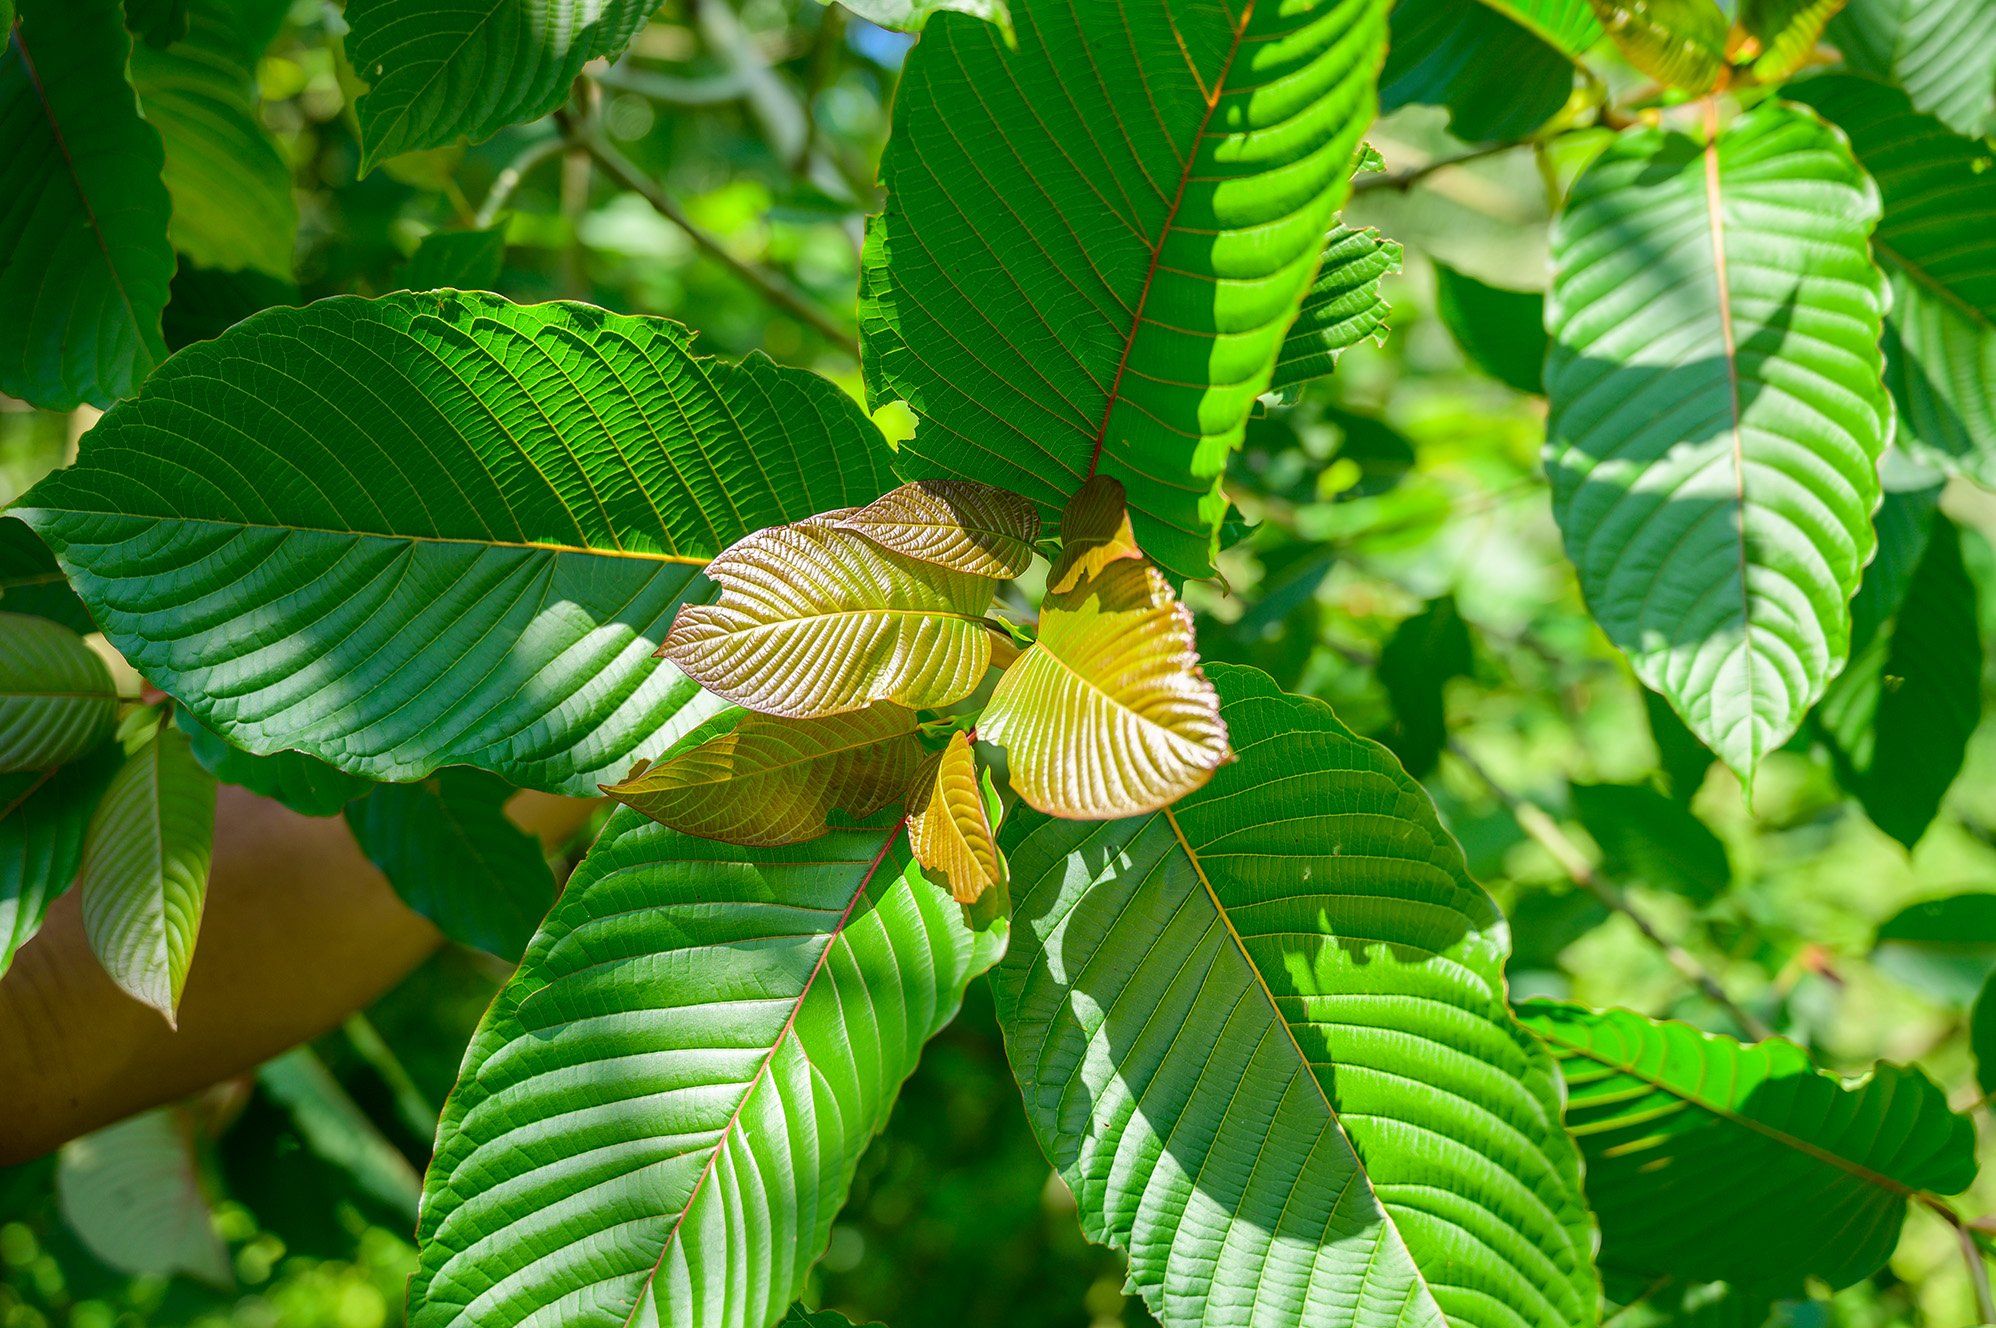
x=1416, y=664
x=57, y=700
x=1937, y=50
x=1089, y=264
x=1263, y=1036
x=659, y=1117
x=230, y=186
x=30, y=581
x=438, y=73
x=1711, y=1160
x=84, y=258
x=1717, y=413
x=43, y=814
x=1498, y=78
x=1939, y=192
x=449, y=530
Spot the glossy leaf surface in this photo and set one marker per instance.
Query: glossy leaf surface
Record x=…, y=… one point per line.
x=57, y=700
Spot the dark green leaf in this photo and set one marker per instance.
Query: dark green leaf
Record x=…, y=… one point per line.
x=1943, y=947
x=303, y=783
x=1499, y=79
x=1982, y=1037
x=1646, y=836
x=157, y=23
x=1682, y=759
x=1501, y=331
x=339, y=1132
x=43, y=815
x=207, y=303
x=457, y=260
x=1937, y=50
x=31, y=583
x=1415, y=666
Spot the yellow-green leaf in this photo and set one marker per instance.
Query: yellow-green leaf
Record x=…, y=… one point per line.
x=1094, y=532
x=1681, y=43
x=1785, y=33
x=1108, y=714
x=814, y=620
x=958, y=524
x=774, y=781
x=949, y=831
x=57, y=700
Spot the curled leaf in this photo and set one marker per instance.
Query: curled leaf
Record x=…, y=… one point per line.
x=1094, y=532
x=949, y=830
x=774, y=781
x=814, y=620
x=959, y=524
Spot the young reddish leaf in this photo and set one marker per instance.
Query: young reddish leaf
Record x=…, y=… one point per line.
x=1681, y=43
x=1094, y=532
x=773, y=781
x=814, y=620
x=949, y=831
x=1108, y=714
x=958, y=524
x=57, y=700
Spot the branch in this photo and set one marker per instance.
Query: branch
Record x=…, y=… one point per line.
x=1407, y=179
x=509, y=179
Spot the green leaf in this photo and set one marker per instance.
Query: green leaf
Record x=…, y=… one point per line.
x=1499, y=79
x=132, y=1193
x=954, y=524
x=230, y=186
x=1937, y=50
x=1982, y=1038
x=814, y=620
x=446, y=846
x=1568, y=25
x=145, y=870
x=84, y=258
x=157, y=23
x=1712, y=1160
x=57, y=700
x=1680, y=43
x=912, y=15
x=1680, y=757
x=438, y=73
x=1676, y=1304
x=799, y=1317
x=1341, y=309
x=1263, y=1037
x=1645, y=835
x=1501, y=331
x=1786, y=32
x=303, y=783
x=335, y=1128
x=1717, y=413
x=31, y=583
x=459, y=260
x=43, y=814
x=661, y=1113
x=471, y=558
x=1943, y=947
x=207, y=303
x=1415, y=666
x=775, y=781
x=1070, y=279
x=1939, y=193
x=949, y=824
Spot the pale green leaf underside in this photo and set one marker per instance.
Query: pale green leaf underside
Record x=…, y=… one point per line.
x=1717, y=505
x=1217, y=1010
x=659, y=1117
x=1937, y=50
x=1093, y=244
x=132, y=1194
x=57, y=700
x=1712, y=1160
x=439, y=529
x=911, y=15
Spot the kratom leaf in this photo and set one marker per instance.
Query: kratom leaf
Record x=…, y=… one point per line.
x=132, y=1194
x=1944, y=947
x=158, y=23
x=1786, y=32
x=1673, y=1304
x=84, y=258
x=1068, y=279
x=335, y=1128
x=31, y=583
x=949, y=828
x=438, y=73
x=230, y=186
x=1681, y=759
x=303, y=783
x=911, y=15
x=57, y=700
x=1263, y=1037
x=1647, y=837
x=1712, y=1160
x=1499, y=79
x=446, y=846
x=775, y=781
x=459, y=260
x=956, y=524
x=1717, y=413
x=660, y=1115
x=1567, y=25
x=1937, y=50
x=814, y=620
x=1501, y=331
x=145, y=870
x=1341, y=309
x=43, y=814
x=1982, y=1038
x=1939, y=193
x=207, y=303
x=469, y=559
x=1107, y=714
x=1681, y=43
x=1415, y=666
x=1094, y=532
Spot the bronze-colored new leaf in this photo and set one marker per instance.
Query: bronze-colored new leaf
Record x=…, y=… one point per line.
x=1108, y=714
x=949, y=831
x=958, y=524
x=775, y=781
x=814, y=620
x=1094, y=532
x=1680, y=43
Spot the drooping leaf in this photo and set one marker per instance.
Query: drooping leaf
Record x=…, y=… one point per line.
x=1108, y=714
x=1095, y=531
x=1717, y=413
x=1786, y=33
x=1681, y=758
x=43, y=814
x=446, y=846
x=1944, y=947
x=911, y=15
x=1415, y=666
x=335, y=1128
x=438, y=73
x=303, y=783
x=1680, y=43
x=660, y=1115
x=84, y=258
x=31, y=583
x=1709, y=1160
x=775, y=781
x=1499, y=79
x=1647, y=837
x=949, y=827
x=1937, y=50
x=1939, y=192
x=1068, y=279
x=814, y=620
x=145, y=869
x=57, y=700
x=469, y=562
x=230, y=186
x=1262, y=1034
x=457, y=260
x=1501, y=331
x=963, y=526
x=132, y=1194
x=1341, y=308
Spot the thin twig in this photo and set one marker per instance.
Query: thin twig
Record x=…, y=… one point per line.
x=1535, y=822
x=509, y=179
x=1412, y=176
x=1971, y=1253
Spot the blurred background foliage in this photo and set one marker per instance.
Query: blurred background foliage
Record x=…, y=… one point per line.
x=1395, y=555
